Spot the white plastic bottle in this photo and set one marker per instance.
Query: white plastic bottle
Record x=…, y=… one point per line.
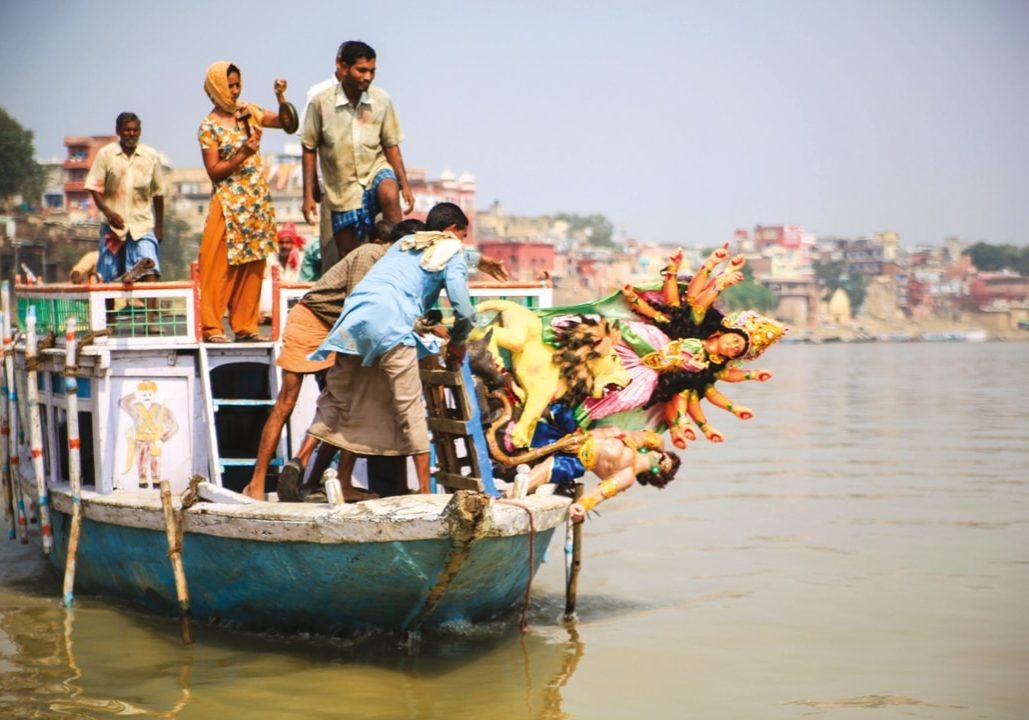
x=521, y=482
x=333, y=490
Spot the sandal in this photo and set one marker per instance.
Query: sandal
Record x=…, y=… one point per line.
x=216, y=338
x=249, y=337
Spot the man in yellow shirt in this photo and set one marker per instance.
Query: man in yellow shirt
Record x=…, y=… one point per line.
x=126, y=182
x=352, y=129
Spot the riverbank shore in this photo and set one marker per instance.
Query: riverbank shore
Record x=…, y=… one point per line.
x=872, y=330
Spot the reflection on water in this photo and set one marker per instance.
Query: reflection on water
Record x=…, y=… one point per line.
x=102, y=660
x=861, y=544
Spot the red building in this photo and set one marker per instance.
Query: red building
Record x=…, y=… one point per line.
x=524, y=259
x=448, y=188
x=989, y=287
x=81, y=153
x=787, y=236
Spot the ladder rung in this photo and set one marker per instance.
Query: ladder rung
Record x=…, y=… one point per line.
x=237, y=462
x=441, y=377
x=452, y=427
x=458, y=482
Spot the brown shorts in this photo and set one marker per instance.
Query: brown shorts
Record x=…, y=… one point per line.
x=376, y=410
x=303, y=333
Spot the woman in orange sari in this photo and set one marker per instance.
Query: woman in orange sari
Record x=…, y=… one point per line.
x=240, y=231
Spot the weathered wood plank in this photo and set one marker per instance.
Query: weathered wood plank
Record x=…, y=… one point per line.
x=454, y=481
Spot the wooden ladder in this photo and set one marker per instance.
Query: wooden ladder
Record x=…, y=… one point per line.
x=456, y=426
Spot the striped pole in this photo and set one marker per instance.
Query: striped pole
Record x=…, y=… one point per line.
x=71, y=390
x=36, y=431
x=5, y=469
x=11, y=399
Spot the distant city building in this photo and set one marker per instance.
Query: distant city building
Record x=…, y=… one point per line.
x=189, y=196
x=523, y=259
x=449, y=187
x=82, y=151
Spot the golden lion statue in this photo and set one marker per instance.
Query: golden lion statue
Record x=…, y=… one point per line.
x=581, y=363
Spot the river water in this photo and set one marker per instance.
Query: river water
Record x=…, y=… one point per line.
x=859, y=549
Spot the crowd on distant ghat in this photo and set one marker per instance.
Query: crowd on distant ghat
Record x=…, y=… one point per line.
x=375, y=274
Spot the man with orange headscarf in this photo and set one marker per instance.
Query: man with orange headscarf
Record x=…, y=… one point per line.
x=240, y=231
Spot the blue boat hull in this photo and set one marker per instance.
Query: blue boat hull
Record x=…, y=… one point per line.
x=303, y=586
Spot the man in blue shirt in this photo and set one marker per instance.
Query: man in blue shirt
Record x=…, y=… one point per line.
x=372, y=402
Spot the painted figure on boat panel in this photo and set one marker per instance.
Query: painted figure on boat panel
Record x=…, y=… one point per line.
x=153, y=424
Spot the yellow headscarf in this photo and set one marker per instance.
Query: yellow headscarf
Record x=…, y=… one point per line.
x=216, y=85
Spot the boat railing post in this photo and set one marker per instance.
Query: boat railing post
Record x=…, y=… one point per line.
x=71, y=391
x=36, y=431
x=5, y=468
x=11, y=400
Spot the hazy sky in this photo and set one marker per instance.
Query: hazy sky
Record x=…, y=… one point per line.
x=680, y=121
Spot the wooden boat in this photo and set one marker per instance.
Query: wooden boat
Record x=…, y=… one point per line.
x=154, y=403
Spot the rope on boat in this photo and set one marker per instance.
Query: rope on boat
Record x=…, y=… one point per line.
x=191, y=495
x=532, y=559
x=466, y=518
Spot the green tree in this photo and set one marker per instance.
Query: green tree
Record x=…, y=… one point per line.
x=748, y=295
x=597, y=228
x=20, y=174
x=179, y=247
x=832, y=275
x=989, y=257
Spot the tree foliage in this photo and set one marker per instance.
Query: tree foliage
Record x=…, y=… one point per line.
x=989, y=257
x=832, y=275
x=597, y=229
x=748, y=295
x=20, y=174
x=179, y=248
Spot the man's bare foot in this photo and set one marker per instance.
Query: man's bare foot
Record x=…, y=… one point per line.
x=253, y=492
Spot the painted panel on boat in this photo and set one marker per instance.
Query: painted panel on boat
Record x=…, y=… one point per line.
x=150, y=435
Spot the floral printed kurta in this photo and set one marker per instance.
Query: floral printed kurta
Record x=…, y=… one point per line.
x=245, y=198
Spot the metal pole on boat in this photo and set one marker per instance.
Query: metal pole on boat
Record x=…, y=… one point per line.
x=573, y=560
x=36, y=431
x=5, y=468
x=71, y=391
x=172, y=530
x=11, y=426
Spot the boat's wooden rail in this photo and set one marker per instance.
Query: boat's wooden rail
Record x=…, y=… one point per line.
x=163, y=313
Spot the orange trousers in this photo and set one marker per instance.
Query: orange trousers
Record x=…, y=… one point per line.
x=236, y=287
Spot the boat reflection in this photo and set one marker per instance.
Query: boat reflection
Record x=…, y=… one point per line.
x=95, y=662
